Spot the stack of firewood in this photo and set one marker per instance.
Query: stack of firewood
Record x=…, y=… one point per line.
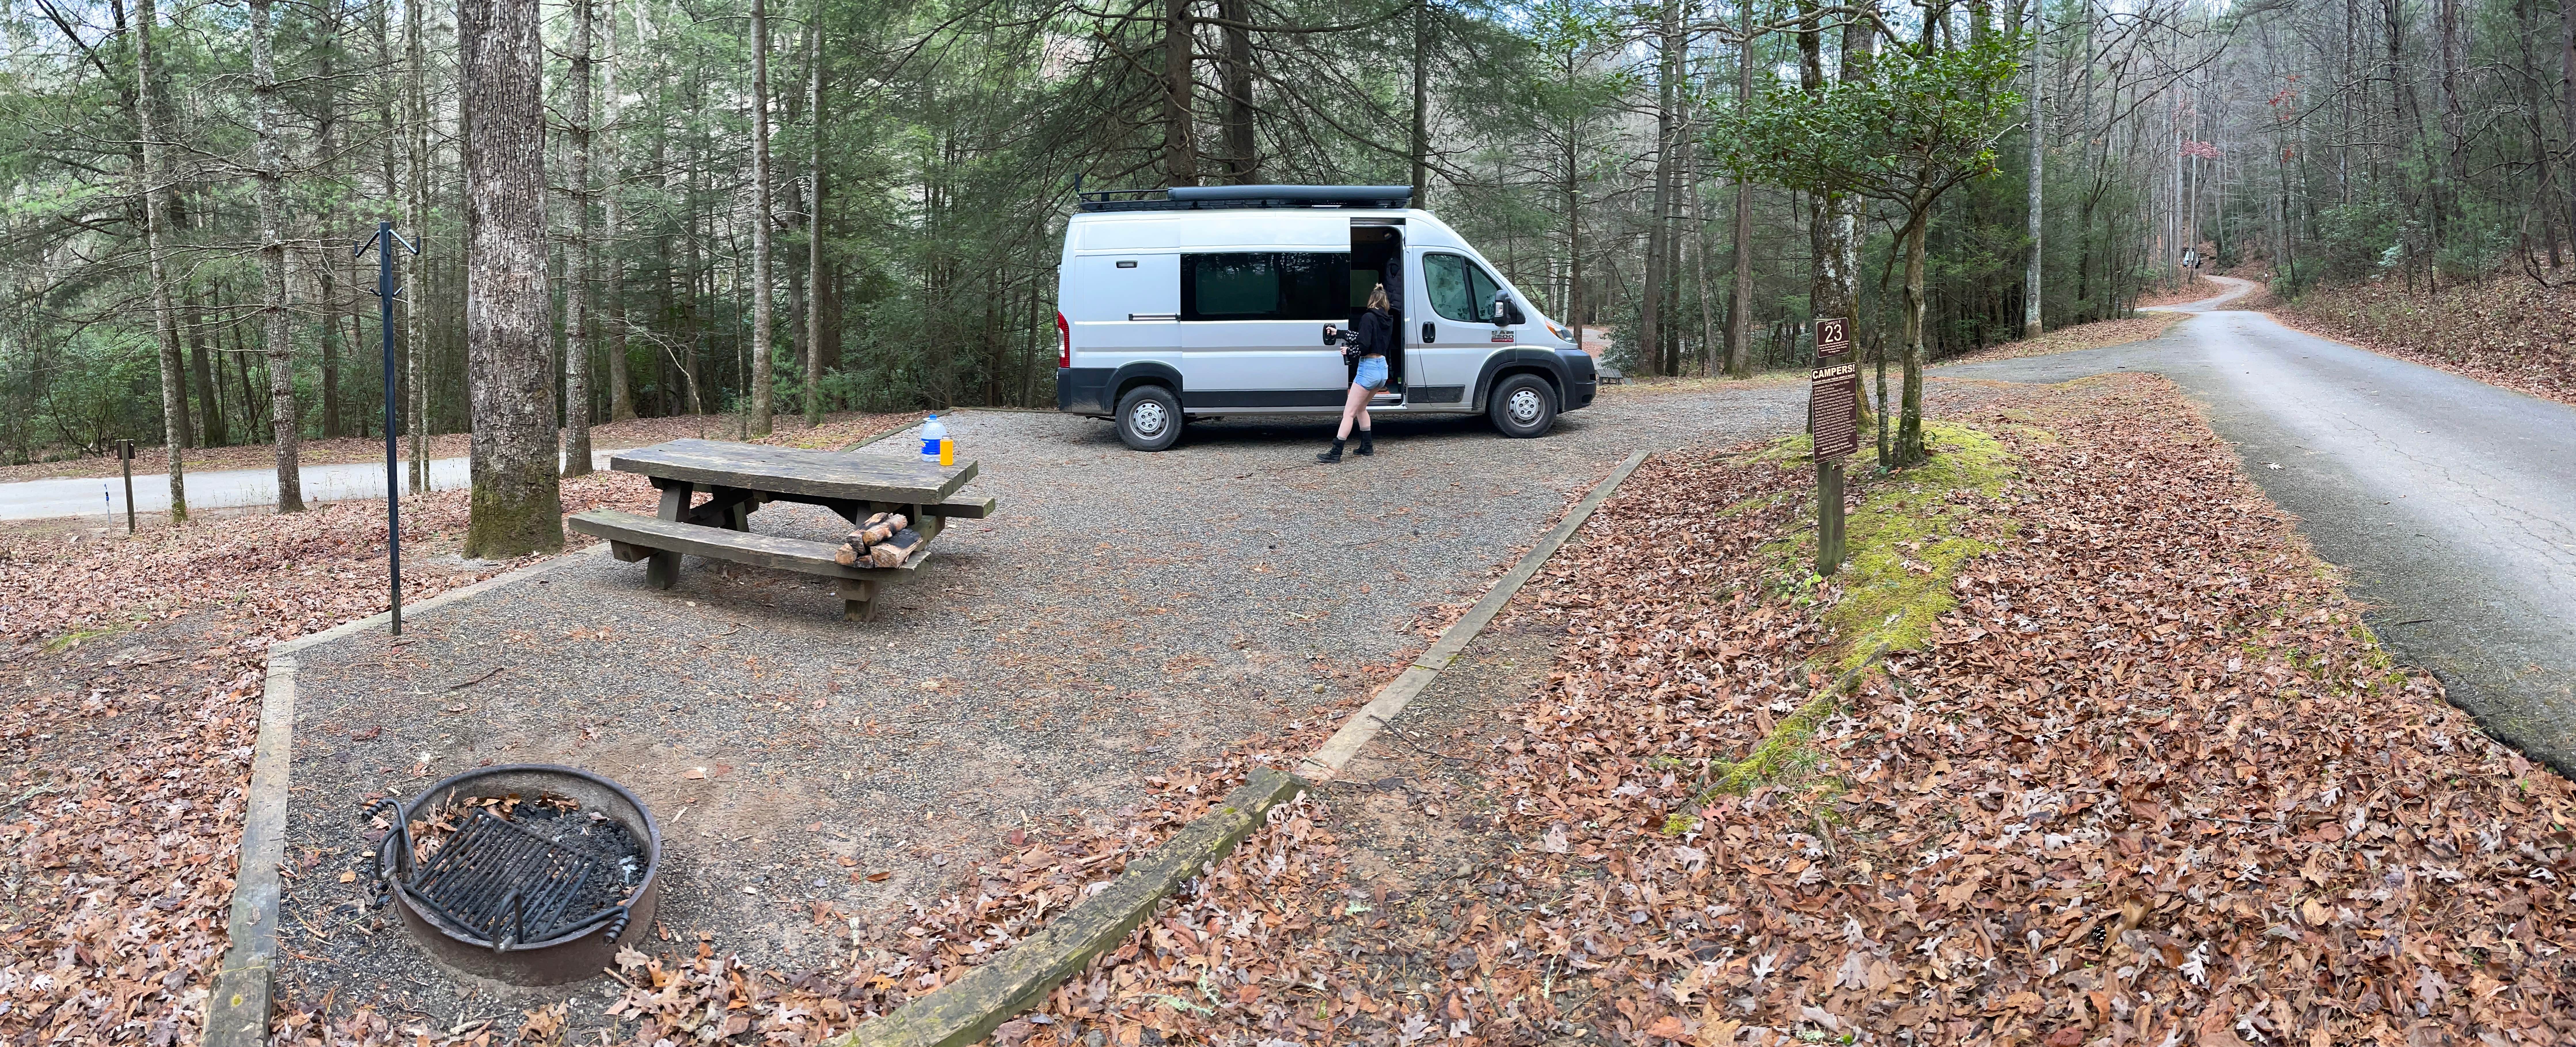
x=883, y=540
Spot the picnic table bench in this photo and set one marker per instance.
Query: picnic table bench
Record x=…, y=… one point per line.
x=739, y=478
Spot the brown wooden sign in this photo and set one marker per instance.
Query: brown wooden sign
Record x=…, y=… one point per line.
x=1833, y=393
x=1833, y=336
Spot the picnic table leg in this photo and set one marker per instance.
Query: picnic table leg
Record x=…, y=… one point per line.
x=859, y=599
x=663, y=570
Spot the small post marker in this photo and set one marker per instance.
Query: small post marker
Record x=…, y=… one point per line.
x=1833, y=418
x=384, y=242
x=125, y=460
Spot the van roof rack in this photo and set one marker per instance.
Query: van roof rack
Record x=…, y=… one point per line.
x=1243, y=197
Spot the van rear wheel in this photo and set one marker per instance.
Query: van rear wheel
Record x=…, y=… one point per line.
x=1523, y=406
x=1149, y=418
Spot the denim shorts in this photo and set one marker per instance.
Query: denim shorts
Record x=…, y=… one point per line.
x=1372, y=374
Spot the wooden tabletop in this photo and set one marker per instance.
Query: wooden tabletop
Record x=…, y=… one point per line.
x=788, y=470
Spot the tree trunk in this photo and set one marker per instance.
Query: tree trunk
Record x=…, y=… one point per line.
x=2030, y=272
x=323, y=264
x=579, y=341
x=621, y=379
x=1739, y=313
x=1649, y=340
x=416, y=216
x=1180, y=149
x=2567, y=89
x=814, y=275
x=760, y=301
x=1909, y=426
x=280, y=347
x=1573, y=192
x=1242, y=153
x=1418, y=144
x=517, y=506
x=210, y=401
x=156, y=220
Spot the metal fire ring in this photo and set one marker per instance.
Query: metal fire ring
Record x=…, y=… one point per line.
x=578, y=952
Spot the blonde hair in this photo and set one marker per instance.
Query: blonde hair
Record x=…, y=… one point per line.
x=1377, y=298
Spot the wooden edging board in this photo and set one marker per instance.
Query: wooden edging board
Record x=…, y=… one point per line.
x=238, y=1011
x=967, y=1010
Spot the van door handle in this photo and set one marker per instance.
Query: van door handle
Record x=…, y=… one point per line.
x=1430, y=333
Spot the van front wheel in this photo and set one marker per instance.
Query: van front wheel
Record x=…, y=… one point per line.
x=1523, y=406
x=1149, y=418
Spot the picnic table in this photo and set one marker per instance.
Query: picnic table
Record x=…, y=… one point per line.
x=739, y=478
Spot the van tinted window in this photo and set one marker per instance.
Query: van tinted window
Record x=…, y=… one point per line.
x=1459, y=288
x=1265, y=285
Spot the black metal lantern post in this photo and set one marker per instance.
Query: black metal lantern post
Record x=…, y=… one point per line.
x=384, y=242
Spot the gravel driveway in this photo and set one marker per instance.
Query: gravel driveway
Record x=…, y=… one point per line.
x=1122, y=613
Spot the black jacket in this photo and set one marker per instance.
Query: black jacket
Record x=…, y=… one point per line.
x=1376, y=331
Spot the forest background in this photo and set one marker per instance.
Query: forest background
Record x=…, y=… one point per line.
x=882, y=186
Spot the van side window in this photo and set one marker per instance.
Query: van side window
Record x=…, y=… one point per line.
x=1459, y=289
x=1265, y=285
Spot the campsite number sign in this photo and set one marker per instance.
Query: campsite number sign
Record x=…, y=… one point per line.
x=1833, y=396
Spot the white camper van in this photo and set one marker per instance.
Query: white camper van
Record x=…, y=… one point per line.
x=1213, y=300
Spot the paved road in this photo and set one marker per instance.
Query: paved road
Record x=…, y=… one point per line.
x=2452, y=503
x=105, y=497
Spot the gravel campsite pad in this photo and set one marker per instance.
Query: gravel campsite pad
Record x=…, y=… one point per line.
x=1121, y=614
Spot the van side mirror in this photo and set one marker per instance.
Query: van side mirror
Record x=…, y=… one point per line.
x=1507, y=312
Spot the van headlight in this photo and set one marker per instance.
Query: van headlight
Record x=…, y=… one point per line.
x=1563, y=335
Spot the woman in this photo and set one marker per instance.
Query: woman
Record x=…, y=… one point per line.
x=1374, y=334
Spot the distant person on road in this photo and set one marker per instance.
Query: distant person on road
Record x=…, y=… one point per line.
x=1371, y=337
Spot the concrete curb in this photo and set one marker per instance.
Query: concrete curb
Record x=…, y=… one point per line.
x=970, y=1008
x=237, y=1013
x=1327, y=760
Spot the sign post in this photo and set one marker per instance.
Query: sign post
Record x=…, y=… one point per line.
x=1833, y=419
x=384, y=242
x=125, y=457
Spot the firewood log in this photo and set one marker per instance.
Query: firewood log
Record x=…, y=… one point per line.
x=892, y=551
x=881, y=527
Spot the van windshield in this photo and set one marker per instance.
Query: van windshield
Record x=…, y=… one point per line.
x=1459, y=289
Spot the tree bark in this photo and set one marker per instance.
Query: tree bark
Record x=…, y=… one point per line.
x=416, y=216
x=1573, y=193
x=1180, y=149
x=1242, y=152
x=621, y=378
x=1909, y=426
x=1418, y=143
x=1649, y=336
x=579, y=339
x=2030, y=272
x=156, y=221
x=1739, y=313
x=2567, y=89
x=210, y=401
x=761, y=318
x=517, y=507
x=814, y=275
x=280, y=348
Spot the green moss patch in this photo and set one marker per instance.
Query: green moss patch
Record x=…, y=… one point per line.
x=1904, y=543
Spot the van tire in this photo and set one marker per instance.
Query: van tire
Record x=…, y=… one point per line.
x=1522, y=406
x=1149, y=418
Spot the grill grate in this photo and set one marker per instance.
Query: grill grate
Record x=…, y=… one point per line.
x=506, y=884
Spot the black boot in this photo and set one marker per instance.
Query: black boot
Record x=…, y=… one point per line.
x=1367, y=446
x=1332, y=456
